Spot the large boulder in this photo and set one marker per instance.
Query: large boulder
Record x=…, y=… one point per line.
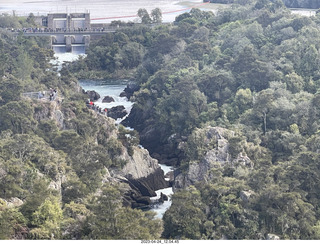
x=107, y=99
x=117, y=112
x=163, y=197
x=93, y=95
x=144, y=176
x=130, y=89
x=123, y=94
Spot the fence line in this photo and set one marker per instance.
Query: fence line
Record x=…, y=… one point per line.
x=42, y=95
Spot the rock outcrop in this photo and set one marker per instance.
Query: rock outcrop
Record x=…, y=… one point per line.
x=144, y=172
x=12, y=202
x=216, y=148
x=246, y=196
x=140, y=177
x=272, y=237
x=129, y=90
x=107, y=99
x=93, y=95
x=153, y=138
x=117, y=112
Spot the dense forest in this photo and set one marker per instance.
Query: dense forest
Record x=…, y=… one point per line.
x=231, y=100
x=311, y=4
x=61, y=165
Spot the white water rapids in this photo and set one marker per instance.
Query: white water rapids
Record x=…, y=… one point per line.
x=105, y=88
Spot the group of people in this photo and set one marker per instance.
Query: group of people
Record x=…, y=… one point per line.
x=90, y=104
x=52, y=94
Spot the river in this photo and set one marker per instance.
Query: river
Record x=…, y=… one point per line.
x=113, y=89
x=108, y=88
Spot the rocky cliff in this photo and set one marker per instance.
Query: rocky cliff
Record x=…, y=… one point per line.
x=216, y=152
x=141, y=174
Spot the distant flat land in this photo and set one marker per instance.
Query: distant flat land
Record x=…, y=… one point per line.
x=209, y=6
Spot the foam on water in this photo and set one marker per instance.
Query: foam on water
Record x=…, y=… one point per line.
x=104, y=88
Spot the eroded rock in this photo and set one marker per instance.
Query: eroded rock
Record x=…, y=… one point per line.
x=117, y=112
x=107, y=99
x=93, y=95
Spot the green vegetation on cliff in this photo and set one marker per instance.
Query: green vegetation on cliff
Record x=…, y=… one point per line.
x=251, y=69
x=231, y=100
x=55, y=155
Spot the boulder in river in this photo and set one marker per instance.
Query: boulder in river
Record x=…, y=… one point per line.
x=93, y=95
x=123, y=94
x=117, y=112
x=130, y=89
x=107, y=99
x=163, y=197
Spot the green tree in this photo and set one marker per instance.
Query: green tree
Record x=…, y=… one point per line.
x=73, y=224
x=12, y=223
x=294, y=82
x=144, y=16
x=112, y=221
x=10, y=90
x=156, y=15
x=17, y=116
x=186, y=216
x=47, y=218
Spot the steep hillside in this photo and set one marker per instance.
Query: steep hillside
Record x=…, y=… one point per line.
x=66, y=172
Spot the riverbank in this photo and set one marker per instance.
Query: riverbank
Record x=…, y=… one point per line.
x=162, y=201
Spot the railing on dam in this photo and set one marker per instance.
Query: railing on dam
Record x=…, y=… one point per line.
x=50, y=32
x=87, y=31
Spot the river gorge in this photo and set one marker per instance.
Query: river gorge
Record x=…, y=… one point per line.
x=113, y=88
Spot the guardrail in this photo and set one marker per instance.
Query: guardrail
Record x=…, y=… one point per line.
x=43, y=95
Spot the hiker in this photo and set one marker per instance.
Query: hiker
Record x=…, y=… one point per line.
x=54, y=94
x=40, y=95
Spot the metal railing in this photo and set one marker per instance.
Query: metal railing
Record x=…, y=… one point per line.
x=43, y=95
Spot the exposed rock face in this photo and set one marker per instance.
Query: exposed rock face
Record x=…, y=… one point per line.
x=93, y=95
x=117, y=112
x=123, y=94
x=216, y=154
x=146, y=170
x=163, y=197
x=50, y=110
x=12, y=202
x=272, y=237
x=143, y=176
x=246, y=196
x=130, y=89
x=107, y=99
x=154, y=138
